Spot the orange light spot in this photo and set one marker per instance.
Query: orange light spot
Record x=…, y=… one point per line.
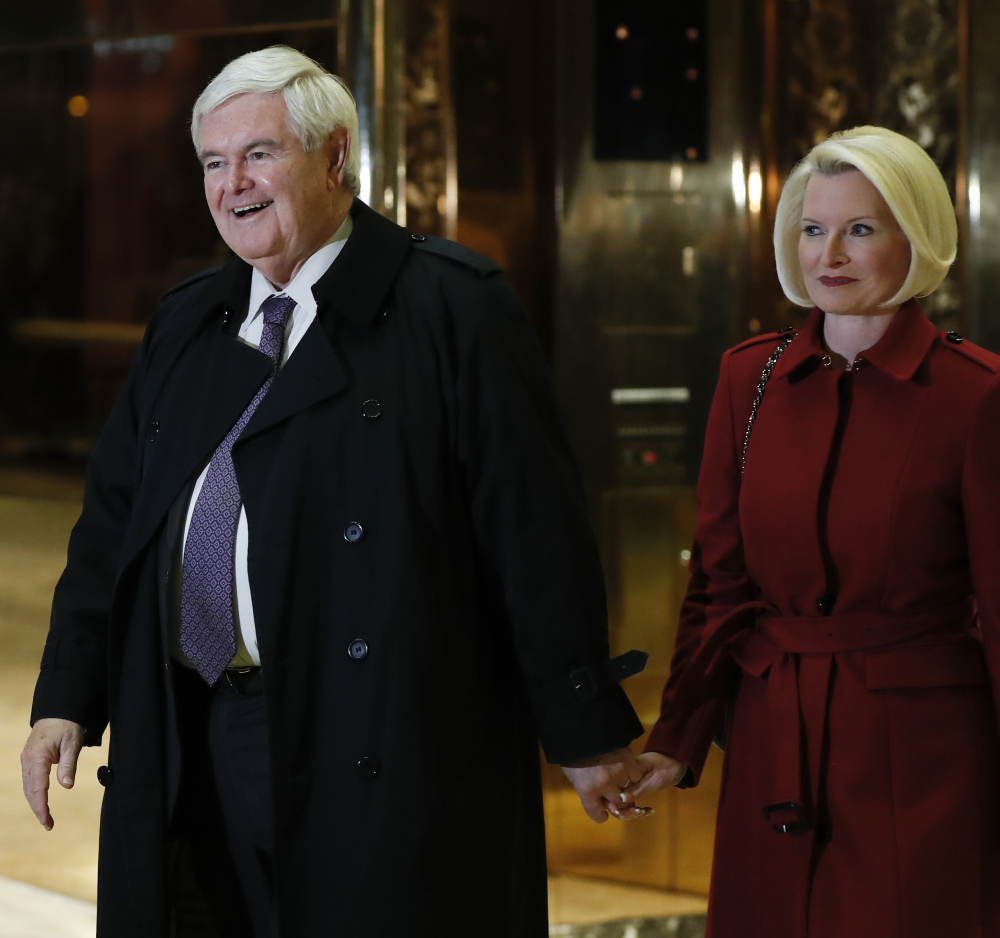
x=622, y=32
x=636, y=94
x=649, y=457
x=77, y=105
x=692, y=35
x=692, y=74
x=691, y=153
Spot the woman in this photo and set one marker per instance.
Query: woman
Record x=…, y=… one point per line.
x=835, y=579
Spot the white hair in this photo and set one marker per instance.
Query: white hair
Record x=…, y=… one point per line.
x=318, y=102
x=912, y=187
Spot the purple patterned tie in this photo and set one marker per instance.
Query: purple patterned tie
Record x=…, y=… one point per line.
x=208, y=632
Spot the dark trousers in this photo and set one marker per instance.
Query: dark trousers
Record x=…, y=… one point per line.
x=223, y=827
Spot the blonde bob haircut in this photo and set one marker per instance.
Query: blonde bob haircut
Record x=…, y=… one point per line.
x=317, y=101
x=912, y=187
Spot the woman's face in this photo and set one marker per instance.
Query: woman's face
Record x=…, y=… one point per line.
x=853, y=253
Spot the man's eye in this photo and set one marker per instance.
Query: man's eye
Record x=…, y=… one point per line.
x=258, y=155
x=215, y=164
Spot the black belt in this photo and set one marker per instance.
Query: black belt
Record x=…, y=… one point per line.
x=247, y=682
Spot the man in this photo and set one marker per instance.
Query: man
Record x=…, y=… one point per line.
x=333, y=577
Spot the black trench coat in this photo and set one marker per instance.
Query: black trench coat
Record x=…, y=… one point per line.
x=477, y=587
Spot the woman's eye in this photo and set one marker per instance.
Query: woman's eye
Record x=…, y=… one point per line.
x=861, y=230
x=810, y=230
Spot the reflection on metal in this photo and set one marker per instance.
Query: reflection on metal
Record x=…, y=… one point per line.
x=650, y=280
x=431, y=170
x=673, y=926
x=755, y=188
x=75, y=332
x=650, y=395
x=651, y=432
x=739, y=183
x=373, y=45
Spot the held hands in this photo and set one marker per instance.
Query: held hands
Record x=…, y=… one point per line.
x=52, y=742
x=609, y=783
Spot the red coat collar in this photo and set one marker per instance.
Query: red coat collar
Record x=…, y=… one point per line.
x=898, y=353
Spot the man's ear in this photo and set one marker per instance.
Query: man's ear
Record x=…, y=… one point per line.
x=338, y=148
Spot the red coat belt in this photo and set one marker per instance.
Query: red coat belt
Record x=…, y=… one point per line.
x=781, y=648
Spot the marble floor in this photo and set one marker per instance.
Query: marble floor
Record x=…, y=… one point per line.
x=48, y=879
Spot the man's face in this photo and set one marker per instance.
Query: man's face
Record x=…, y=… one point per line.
x=270, y=200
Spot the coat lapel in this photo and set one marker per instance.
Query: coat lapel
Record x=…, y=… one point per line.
x=212, y=387
x=217, y=376
x=311, y=374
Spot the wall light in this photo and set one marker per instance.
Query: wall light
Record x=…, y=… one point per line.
x=974, y=198
x=755, y=187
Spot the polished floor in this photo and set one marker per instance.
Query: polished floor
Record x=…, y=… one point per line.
x=48, y=879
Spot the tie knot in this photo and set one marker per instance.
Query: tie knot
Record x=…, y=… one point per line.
x=277, y=309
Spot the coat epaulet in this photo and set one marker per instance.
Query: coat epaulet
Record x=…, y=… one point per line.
x=761, y=339
x=456, y=252
x=958, y=343
x=190, y=281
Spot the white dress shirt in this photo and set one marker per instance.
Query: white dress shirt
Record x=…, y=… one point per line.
x=301, y=318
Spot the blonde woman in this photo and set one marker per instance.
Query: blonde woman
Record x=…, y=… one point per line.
x=848, y=532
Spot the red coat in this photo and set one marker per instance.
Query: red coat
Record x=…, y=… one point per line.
x=872, y=496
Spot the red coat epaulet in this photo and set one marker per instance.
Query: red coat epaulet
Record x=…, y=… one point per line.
x=958, y=343
x=761, y=339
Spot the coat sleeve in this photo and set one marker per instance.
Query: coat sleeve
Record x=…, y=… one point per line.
x=531, y=522
x=981, y=508
x=718, y=583
x=72, y=682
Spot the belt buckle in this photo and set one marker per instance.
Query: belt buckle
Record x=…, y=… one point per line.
x=229, y=679
x=798, y=826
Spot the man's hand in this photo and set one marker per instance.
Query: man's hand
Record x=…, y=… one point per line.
x=599, y=783
x=52, y=742
x=658, y=771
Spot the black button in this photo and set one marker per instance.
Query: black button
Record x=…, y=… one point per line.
x=385, y=314
x=953, y=336
x=826, y=604
x=358, y=649
x=105, y=776
x=354, y=532
x=417, y=237
x=154, y=428
x=371, y=409
x=227, y=315
x=784, y=329
x=369, y=767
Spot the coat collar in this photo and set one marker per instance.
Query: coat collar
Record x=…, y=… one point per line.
x=355, y=285
x=898, y=353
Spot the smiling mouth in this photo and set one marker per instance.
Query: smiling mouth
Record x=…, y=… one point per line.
x=245, y=210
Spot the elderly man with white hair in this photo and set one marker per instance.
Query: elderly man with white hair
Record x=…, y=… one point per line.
x=334, y=577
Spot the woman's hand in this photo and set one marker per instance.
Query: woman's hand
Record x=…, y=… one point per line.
x=660, y=772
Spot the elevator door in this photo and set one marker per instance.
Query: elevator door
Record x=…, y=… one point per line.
x=652, y=233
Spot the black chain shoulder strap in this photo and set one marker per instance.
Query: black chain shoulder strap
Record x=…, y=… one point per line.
x=775, y=355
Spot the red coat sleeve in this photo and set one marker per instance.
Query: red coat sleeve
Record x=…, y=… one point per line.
x=718, y=582
x=981, y=507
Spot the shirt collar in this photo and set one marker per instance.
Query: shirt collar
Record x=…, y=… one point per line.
x=898, y=353
x=300, y=287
